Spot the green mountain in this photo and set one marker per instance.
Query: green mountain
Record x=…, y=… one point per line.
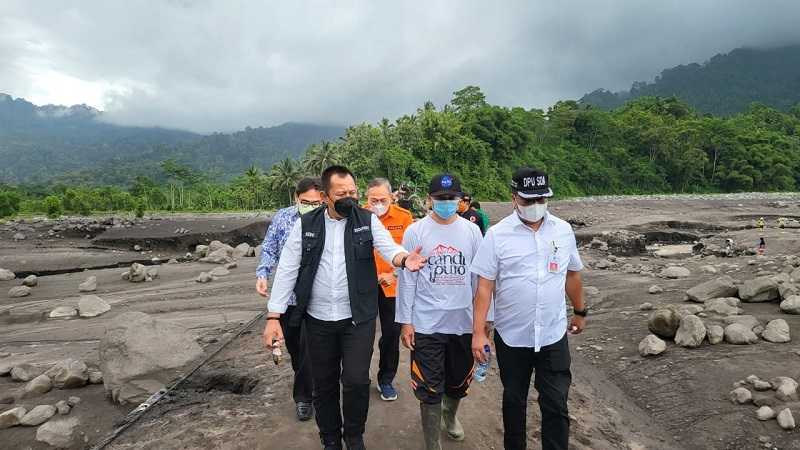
x=724, y=85
x=74, y=145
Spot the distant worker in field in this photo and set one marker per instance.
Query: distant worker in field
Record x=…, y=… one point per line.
x=762, y=245
x=530, y=260
x=435, y=307
x=760, y=223
x=484, y=217
x=307, y=197
x=781, y=222
x=328, y=265
x=465, y=210
x=396, y=220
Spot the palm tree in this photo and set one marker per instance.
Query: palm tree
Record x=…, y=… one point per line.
x=320, y=157
x=253, y=175
x=283, y=177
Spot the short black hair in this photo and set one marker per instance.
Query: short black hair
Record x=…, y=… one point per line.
x=475, y=204
x=307, y=184
x=328, y=173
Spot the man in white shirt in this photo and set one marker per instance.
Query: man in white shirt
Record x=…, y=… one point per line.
x=328, y=263
x=530, y=260
x=434, y=307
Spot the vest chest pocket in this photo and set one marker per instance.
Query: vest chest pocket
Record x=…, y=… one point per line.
x=309, y=248
x=363, y=249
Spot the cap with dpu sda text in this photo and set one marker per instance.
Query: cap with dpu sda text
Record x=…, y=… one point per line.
x=531, y=183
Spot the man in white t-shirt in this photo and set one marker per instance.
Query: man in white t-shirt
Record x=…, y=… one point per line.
x=434, y=307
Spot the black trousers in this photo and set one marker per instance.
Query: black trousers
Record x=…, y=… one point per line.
x=553, y=377
x=441, y=364
x=340, y=353
x=389, y=342
x=297, y=345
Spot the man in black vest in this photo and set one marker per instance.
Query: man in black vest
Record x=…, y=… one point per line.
x=329, y=264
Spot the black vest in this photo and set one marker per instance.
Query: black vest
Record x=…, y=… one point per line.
x=362, y=277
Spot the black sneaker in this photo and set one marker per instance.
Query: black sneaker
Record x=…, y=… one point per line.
x=354, y=442
x=331, y=443
x=305, y=411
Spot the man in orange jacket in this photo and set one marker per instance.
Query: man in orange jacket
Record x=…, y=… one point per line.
x=396, y=220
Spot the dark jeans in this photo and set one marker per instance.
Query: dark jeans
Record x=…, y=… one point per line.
x=297, y=345
x=389, y=342
x=340, y=352
x=552, y=380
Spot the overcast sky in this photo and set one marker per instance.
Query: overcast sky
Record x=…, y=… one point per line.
x=223, y=65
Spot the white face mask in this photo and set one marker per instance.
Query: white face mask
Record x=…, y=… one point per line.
x=532, y=213
x=380, y=209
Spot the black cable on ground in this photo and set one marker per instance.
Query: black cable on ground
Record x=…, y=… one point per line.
x=140, y=410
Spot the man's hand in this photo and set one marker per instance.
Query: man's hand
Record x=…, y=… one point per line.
x=479, y=341
x=273, y=334
x=386, y=279
x=407, y=335
x=415, y=261
x=576, y=325
x=261, y=286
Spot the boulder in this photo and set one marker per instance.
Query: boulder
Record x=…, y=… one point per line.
x=95, y=376
x=715, y=334
x=63, y=311
x=723, y=286
x=741, y=396
x=219, y=272
x=686, y=310
x=691, y=332
x=747, y=320
x=241, y=250
x=58, y=433
x=38, y=386
x=90, y=285
x=776, y=331
x=219, y=256
x=663, y=322
x=217, y=245
x=92, y=306
x=739, y=334
x=201, y=251
x=708, y=269
x=785, y=388
x=787, y=290
x=651, y=345
x=30, y=281
x=674, y=272
x=625, y=242
x=795, y=275
x=786, y=419
x=38, y=415
x=6, y=275
x=63, y=407
x=12, y=417
x=204, y=277
x=791, y=305
x=762, y=289
x=152, y=273
x=765, y=413
x=72, y=401
x=655, y=289
x=646, y=306
x=137, y=347
x=69, y=373
x=25, y=372
x=135, y=274
x=19, y=291
x=725, y=306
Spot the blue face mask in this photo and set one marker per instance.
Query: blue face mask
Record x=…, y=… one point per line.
x=445, y=208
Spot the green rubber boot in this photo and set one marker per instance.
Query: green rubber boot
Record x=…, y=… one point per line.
x=431, y=418
x=450, y=422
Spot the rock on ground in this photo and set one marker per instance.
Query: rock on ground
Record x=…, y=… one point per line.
x=137, y=347
x=776, y=331
x=220, y=256
x=762, y=289
x=63, y=311
x=204, y=277
x=791, y=305
x=58, y=433
x=90, y=285
x=12, y=417
x=38, y=415
x=6, y=275
x=723, y=286
x=655, y=289
x=30, y=281
x=651, y=345
x=691, y=332
x=646, y=306
x=92, y=306
x=663, y=323
x=726, y=306
x=242, y=250
x=786, y=419
x=747, y=320
x=739, y=334
x=95, y=376
x=785, y=388
x=25, y=372
x=741, y=396
x=69, y=373
x=201, y=251
x=63, y=407
x=19, y=291
x=38, y=386
x=675, y=272
x=765, y=413
x=219, y=272
x=715, y=334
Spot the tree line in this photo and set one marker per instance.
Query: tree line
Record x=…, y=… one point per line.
x=648, y=145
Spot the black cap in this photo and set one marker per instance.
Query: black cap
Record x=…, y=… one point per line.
x=531, y=183
x=445, y=184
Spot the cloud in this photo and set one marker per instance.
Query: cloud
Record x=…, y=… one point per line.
x=223, y=65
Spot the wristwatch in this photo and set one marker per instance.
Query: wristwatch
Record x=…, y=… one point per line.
x=580, y=312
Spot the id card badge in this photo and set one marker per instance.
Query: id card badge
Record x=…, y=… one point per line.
x=552, y=264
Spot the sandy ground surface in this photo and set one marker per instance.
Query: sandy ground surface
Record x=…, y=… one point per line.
x=618, y=400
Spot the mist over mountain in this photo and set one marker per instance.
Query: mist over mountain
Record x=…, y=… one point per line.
x=724, y=85
x=74, y=144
